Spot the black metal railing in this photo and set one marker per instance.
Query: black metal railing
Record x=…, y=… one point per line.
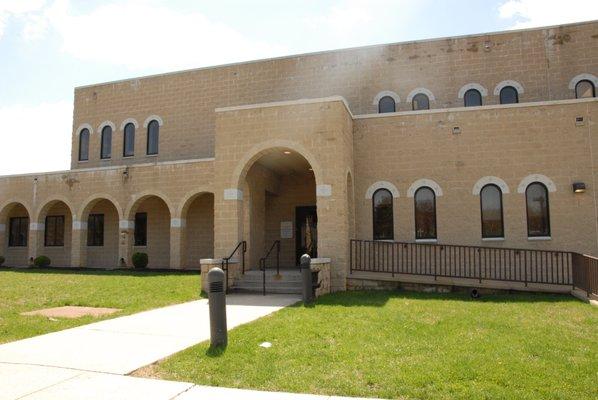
x=585, y=273
x=226, y=261
x=471, y=262
x=263, y=260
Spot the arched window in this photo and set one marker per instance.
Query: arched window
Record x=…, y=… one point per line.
x=420, y=102
x=382, y=215
x=153, y=137
x=84, y=145
x=386, y=105
x=509, y=95
x=491, y=209
x=129, y=140
x=536, y=201
x=425, y=213
x=106, y=146
x=584, y=89
x=472, y=98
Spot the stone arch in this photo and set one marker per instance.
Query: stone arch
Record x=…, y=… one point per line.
x=196, y=213
x=107, y=123
x=59, y=254
x=257, y=151
x=487, y=180
x=583, y=77
x=518, y=86
x=88, y=204
x=424, y=182
x=151, y=118
x=536, y=178
x=473, y=85
x=84, y=126
x=18, y=255
x=47, y=204
x=419, y=90
x=382, y=185
x=129, y=121
x=385, y=93
x=140, y=197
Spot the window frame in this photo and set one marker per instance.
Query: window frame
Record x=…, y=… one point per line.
x=435, y=237
x=413, y=100
x=393, y=102
x=593, y=88
x=502, y=218
x=56, y=218
x=108, y=155
x=125, y=135
x=149, y=125
x=500, y=94
x=142, y=243
x=88, y=134
x=465, y=98
x=549, y=230
x=23, y=223
x=90, y=235
x=392, y=233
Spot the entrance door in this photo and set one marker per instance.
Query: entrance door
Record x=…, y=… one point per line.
x=306, y=232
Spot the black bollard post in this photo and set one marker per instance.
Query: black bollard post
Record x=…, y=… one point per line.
x=217, y=303
x=306, y=279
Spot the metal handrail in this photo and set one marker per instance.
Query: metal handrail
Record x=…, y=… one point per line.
x=263, y=263
x=226, y=261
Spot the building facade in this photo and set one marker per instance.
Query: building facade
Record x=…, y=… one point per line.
x=486, y=140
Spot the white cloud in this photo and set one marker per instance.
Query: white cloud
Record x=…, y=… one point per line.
x=533, y=13
x=142, y=36
x=39, y=137
x=18, y=9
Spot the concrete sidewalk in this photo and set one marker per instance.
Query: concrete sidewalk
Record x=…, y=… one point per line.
x=122, y=345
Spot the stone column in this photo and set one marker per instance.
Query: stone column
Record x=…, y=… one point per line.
x=36, y=236
x=206, y=264
x=322, y=265
x=79, y=244
x=177, y=243
x=126, y=236
x=228, y=223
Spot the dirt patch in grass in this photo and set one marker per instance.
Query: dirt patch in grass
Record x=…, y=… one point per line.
x=73, y=312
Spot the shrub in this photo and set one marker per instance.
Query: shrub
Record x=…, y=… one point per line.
x=140, y=260
x=2, y=259
x=42, y=261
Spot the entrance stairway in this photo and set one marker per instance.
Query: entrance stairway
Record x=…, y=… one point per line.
x=288, y=282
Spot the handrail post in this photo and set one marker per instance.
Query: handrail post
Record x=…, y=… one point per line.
x=278, y=257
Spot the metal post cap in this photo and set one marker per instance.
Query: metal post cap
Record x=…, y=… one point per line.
x=305, y=260
x=216, y=280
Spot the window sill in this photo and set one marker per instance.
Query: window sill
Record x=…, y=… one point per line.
x=496, y=239
x=129, y=156
x=151, y=155
x=140, y=246
x=82, y=161
x=539, y=238
x=384, y=240
x=105, y=159
x=426, y=240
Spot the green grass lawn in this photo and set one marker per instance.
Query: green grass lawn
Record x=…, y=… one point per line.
x=131, y=291
x=409, y=345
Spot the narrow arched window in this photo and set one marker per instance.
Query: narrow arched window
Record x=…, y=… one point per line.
x=153, y=137
x=584, y=89
x=106, y=145
x=425, y=213
x=386, y=105
x=420, y=102
x=472, y=98
x=538, y=219
x=491, y=209
x=509, y=95
x=382, y=215
x=84, y=145
x=129, y=140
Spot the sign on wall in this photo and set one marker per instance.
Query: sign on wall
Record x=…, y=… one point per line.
x=286, y=229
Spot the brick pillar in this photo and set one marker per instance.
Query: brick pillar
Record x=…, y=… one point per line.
x=177, y=243
x=79, y=244
x=228, y=224
x=36, y=236
x=125, y=242
x=3, y=240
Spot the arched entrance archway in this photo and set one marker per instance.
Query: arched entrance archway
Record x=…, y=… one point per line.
x=14, y=233
x=54, y=237
x=279, y=203
x=98, y=231
x=198, y=227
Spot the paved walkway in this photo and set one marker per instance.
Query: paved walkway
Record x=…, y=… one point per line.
x=91, y=361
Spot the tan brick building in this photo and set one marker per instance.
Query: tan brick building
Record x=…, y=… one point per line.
x=474, y=140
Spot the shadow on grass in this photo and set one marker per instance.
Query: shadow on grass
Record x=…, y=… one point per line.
x=99, y=272
x=380, y=298
x=215, y=352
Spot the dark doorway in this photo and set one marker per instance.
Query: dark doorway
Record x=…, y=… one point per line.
x=306, y=232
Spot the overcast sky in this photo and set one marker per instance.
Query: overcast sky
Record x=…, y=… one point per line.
x=47, y=47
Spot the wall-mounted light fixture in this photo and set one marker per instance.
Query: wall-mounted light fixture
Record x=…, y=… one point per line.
x=579, y=187
x=456, y=130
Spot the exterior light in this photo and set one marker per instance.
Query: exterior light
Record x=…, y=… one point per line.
x=287, y=152
x=579, y=187
x=456, y=130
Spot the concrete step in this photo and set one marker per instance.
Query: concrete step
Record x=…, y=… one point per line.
x=288, y=281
